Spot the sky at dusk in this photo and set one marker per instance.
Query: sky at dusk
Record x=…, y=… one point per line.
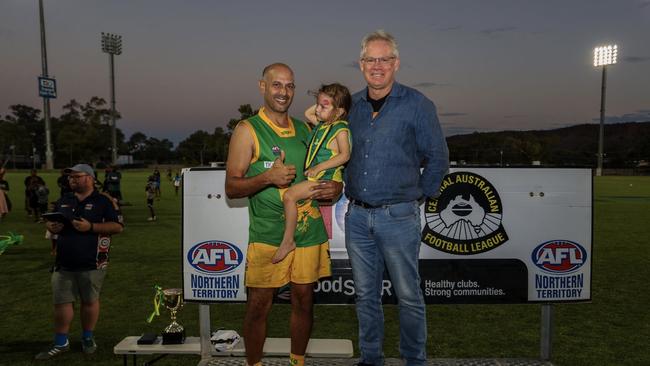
x=188, y=65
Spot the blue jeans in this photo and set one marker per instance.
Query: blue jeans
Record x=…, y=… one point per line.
x=387, y=235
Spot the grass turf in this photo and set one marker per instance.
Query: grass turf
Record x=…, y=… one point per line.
x=611, y=330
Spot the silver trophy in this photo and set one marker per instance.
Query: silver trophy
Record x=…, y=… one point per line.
x=174, y=333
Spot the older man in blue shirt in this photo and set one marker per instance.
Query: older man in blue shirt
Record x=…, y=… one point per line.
x=395, y=133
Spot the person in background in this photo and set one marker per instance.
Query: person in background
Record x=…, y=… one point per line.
x=63, y=183
x=177, y=182
x=31, y=182
x=156, y=177
x=150, y=193
x=112, y=183
x=4, y=193
x=82, y=248
x=42, y=195
x=36, y=192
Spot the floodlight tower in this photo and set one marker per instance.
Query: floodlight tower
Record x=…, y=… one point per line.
x=603, y=56
x=112, y=44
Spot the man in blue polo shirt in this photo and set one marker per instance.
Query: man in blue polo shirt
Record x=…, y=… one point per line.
x=395, y=133
x=84, y=237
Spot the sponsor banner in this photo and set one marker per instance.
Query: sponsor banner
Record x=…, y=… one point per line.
x=443, y=282
x=467, y=217
x=492, y=236
x=560, y=274
x=214, y=241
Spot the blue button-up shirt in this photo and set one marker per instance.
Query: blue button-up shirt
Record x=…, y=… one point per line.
x=390, y=150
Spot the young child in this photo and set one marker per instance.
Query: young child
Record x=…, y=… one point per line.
x=329, y=150
x=177, y=182
x=150, y=192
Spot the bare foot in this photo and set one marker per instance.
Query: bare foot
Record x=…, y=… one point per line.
x=285, y=248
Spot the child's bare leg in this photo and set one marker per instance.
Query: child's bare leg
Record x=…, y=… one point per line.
x=292, y=195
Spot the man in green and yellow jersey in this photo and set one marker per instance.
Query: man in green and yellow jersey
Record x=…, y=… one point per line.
x=267, y=155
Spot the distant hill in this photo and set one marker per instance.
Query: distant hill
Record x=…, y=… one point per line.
x=625, y=145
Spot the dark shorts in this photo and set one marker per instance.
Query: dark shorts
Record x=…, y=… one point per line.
x=70, y=286
x=150, y=202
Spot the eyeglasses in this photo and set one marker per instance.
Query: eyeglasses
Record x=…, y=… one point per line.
x=380, y=60
x=77, y=176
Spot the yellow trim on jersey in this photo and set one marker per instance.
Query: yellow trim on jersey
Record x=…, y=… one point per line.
x=334, y=153
x=256, y=151
x=280, y=131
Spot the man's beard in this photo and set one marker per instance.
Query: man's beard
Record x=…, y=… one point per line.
x=79, y=189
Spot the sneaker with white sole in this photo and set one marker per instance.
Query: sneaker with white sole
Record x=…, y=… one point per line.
x=88, y=345
x=53, y=351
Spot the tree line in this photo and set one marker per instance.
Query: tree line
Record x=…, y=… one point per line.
x=626, y=145
x=81, y=133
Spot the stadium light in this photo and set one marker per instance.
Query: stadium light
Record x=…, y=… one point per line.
x=112, y=44
x=603, y=56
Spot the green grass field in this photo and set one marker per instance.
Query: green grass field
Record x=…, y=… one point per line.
x=611, y=330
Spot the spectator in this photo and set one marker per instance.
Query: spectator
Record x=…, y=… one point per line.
x=42, y=195
x=4, y=195
x=177, y=182
x=156, y=177
x=82, y=248
x=31, y=182
x=63, y=183
x=150, y=193
x=112, y=183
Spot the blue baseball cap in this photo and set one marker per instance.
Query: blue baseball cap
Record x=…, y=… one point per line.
x=81, y=168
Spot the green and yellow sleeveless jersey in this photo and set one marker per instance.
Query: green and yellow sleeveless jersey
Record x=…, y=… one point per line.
x=265, y=209
x=318, y=152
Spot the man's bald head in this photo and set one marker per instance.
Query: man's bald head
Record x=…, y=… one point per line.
x=276, y=66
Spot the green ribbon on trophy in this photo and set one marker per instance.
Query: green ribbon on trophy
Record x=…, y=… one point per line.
x=172, y=299
x=8, y=240
x=158, y=299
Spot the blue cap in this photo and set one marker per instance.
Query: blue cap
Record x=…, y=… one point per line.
x=81, y=168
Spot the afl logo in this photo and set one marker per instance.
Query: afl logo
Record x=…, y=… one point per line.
x=559, y=256
x=466, y=218
x=215, y=257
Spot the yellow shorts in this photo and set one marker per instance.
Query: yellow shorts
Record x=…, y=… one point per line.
x=302, y=266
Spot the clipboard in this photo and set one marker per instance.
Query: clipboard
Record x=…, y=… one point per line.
x=55, y=217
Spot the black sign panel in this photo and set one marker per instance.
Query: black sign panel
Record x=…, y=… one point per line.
x=458, y=281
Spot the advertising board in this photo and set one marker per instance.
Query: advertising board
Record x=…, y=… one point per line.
x=494, y=235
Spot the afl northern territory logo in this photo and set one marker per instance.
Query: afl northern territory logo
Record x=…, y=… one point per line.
x=466, y=218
